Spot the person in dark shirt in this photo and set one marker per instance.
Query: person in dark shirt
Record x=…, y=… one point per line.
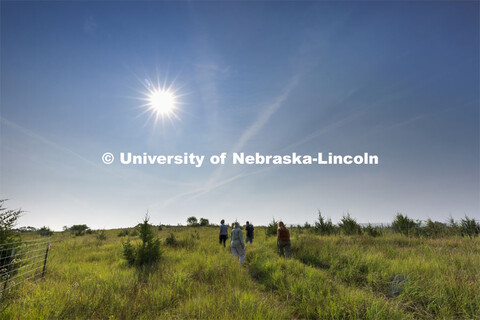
x=283, y=240
x=249, y=229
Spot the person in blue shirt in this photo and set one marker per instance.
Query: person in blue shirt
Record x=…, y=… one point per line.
x=223, y=232
x=249, y=229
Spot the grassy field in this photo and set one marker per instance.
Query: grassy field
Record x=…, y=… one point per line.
x=328, y=277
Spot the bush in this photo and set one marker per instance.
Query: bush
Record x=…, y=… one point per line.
x=123, y=233
x=171, y=240
x=45, y=231
x=129, y=252
x=453, y=228
x=271, y=229
x=435, y=229
x=188, y=241
x=8, y=220
x=405, y=225
x=204, y=222
x=372, y=231
x=322, y=226
x=102, y=235
x=469, y=227
x=349, y=226
x=146, y=252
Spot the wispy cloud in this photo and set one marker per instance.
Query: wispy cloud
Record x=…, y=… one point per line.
x=324, y=130
x=197, y=192
x=267, y=112
x=265, y=115
x=47, y=142
x=131, y=175
x=408, y=121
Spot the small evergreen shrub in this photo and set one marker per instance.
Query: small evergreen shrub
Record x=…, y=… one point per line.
x=148, y=251
x=271, y=229
x=469, y=227
x=454, y=228
x=171, y=240
x=349, y=226
x=372, y=231
x=129, y=252
x=405, y=225
x=435, y=229
x=324, y=226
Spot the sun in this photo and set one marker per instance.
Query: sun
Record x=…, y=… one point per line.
x=162, y=102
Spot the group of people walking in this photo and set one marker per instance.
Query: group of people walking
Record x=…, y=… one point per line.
x=237, y=244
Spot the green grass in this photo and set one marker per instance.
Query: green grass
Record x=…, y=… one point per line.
x=328, y=277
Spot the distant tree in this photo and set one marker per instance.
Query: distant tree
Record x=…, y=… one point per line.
x=45, y=231
x=204, y=222
x=26, y=229
x=192, y=221
x=79, y=229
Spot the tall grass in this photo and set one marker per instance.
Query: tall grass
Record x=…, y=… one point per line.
x=328, y=277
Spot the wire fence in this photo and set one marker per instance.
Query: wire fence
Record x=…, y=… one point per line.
x=22, y=261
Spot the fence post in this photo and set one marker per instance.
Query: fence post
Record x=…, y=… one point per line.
x=45, y=261
x=8, y=269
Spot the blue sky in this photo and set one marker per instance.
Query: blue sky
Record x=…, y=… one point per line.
x=400, y=80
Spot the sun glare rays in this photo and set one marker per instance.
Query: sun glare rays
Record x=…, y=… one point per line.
x=161, y=102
